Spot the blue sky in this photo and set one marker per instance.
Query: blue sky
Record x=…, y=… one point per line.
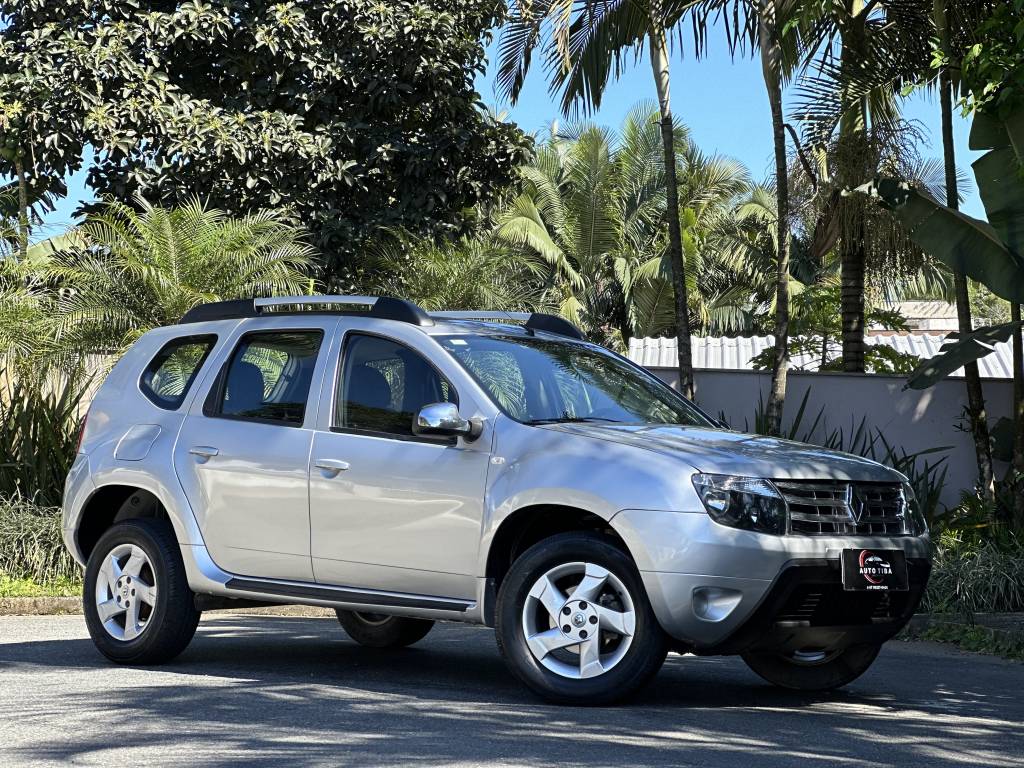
x=721, y=100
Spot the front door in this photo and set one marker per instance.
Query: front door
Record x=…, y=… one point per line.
x=243, y=452
x=390, y=510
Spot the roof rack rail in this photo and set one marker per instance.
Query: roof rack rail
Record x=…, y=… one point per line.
x=383, y=307
x=532, y=321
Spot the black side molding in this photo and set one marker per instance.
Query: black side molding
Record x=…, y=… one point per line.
x=349, y=595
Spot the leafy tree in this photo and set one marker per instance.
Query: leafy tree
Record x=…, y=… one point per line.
x=817, y=326
x=136, y=268
x=359, y=114
x=584, y=44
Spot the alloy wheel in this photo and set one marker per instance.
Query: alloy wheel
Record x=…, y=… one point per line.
x=579, y=620
x=126, y=592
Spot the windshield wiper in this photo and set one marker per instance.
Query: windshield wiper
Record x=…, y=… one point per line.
x=572, y=420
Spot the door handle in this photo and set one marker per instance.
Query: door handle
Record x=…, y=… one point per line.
x=334, y=466
x=204, y=451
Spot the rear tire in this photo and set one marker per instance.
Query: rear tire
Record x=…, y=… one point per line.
x=831, y=672
x=377, y=630
x=574, y=624
x=137, y=603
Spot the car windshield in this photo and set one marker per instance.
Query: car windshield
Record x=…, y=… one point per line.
x=546, y=381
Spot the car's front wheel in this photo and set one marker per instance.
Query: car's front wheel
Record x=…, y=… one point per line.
x=574, y=622
x=813, y=669
x=137, y=602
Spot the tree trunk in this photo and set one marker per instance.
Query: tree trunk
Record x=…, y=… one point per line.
x=771, y=69
x=852, y=268
x=972, y=378
x=853, y=137
x=1017, y=467
x=659, y=64
x=19, y=170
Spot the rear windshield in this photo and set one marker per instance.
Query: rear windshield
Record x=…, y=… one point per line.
x=545, y=381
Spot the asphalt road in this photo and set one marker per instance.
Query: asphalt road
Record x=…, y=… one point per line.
x=273, y=690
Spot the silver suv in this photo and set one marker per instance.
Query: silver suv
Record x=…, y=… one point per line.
x=406, y=467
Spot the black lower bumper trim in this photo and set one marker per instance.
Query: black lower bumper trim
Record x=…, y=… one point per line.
x=807, y=607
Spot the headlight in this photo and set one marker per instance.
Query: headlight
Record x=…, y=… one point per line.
x=749, y=503
x=918, y=525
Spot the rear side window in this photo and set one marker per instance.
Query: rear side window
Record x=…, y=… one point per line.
x=169, y=375
x=269, y=376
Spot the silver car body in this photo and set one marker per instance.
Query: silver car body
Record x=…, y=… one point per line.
x=310, y=515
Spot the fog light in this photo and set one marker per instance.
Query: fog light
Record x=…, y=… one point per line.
x=715, y=603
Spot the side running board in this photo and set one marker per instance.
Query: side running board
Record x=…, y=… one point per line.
x=349, y=595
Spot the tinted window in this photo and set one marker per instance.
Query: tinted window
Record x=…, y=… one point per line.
x=542, y=381
x=269, y=377
x=169, y=375
x=383, y=384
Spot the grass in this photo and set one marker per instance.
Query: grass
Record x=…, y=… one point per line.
x=31, y=545
x=12, y=587
x=976, y=576
x=977, y=639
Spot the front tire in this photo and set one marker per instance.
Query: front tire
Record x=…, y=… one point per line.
x=574, y=624
x=137, y=603
x=378, y=630
x=813, y=671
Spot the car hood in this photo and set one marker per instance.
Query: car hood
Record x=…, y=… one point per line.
x=718, y=451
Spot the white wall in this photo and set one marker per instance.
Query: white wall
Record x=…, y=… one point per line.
x=911, y=419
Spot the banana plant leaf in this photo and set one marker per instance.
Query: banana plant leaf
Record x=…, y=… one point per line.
x=957, y=350
x=963, y=243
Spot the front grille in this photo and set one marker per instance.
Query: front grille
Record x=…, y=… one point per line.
x=831, y=508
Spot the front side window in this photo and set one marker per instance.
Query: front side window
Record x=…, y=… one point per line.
x=383, y=384
x=543, y=381
x=169, y=375
x=269, y=377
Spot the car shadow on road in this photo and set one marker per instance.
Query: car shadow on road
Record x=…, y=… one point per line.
x=262, y=691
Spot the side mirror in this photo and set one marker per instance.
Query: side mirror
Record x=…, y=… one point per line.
x=443, y=419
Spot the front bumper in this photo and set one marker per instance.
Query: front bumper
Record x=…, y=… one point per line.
x=721, y=590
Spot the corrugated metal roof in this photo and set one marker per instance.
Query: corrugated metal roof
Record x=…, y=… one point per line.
x=725, y=352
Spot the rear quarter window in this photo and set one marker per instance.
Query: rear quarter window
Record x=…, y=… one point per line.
x=170, y=373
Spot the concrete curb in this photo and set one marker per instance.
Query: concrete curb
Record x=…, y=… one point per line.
x=58, y=606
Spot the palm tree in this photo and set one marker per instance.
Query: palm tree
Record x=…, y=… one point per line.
x=972, y=376
x=565, y=216
x=592, y=208
x=860, y=54
x=143, y=267
x=584, y=42
x=770, y=27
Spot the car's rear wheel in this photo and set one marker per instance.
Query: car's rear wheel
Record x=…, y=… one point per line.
x=137, y=603
x=812, y=669
x=379, y=630
x=574, y=623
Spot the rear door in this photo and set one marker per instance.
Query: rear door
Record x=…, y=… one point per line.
x=242, y=454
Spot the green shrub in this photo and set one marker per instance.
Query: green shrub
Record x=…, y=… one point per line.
x=975, y=575
x=31, y=546
x=39, y=426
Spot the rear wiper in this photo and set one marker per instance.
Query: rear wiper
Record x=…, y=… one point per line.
x=572, y=420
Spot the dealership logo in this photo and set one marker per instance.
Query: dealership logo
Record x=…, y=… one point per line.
x=874, y=569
